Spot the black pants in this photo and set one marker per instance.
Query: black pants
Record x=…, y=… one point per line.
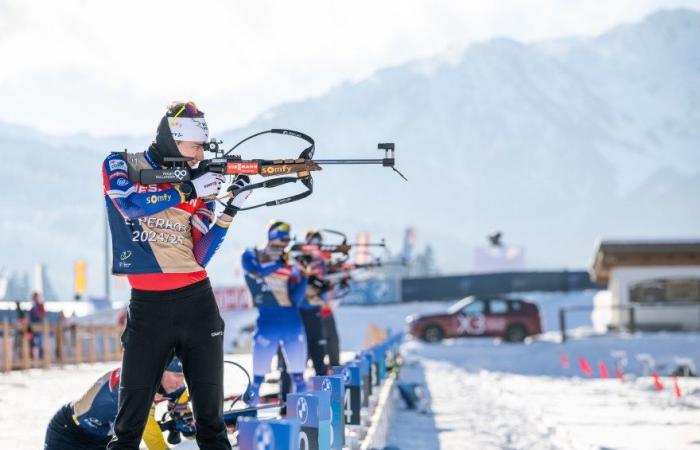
x=185, y=322
x=315, y=338
x=332, y=342
x=63, y=434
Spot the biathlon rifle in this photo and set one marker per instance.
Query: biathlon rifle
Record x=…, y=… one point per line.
x=177, y=424
x=343, y=248
x=331, y=248
x=346, y=270
x=280, y=171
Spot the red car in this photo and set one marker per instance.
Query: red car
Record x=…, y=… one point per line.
x=510, y=319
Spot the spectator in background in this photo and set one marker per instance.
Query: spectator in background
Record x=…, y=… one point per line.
x=22, y=329
x=36, y=317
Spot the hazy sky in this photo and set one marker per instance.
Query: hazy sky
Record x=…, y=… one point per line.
x=111, y=67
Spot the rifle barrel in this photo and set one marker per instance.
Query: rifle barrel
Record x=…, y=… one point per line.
x=349, y=161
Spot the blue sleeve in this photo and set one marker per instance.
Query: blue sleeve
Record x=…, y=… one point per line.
x=205, y=248
x=297, y=287
x=207, y=240
x=251, y=265
x=122, y=192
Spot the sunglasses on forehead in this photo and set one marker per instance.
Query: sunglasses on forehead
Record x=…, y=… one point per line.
x=188, y=107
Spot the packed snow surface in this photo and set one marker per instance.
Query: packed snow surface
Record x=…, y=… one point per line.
x=485, y=394
x=489, y=395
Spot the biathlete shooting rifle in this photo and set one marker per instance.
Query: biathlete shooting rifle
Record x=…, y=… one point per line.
x=279, y=171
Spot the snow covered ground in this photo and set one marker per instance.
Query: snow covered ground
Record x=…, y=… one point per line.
x=487, y=395
x=29, y=399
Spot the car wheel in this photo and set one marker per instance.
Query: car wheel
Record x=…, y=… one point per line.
x=515, y=333
x=433, y=333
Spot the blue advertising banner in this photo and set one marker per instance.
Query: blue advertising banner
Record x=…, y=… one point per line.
x=374, y=291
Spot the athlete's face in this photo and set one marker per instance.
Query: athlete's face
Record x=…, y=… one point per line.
x=190, y=149
x=172, y=381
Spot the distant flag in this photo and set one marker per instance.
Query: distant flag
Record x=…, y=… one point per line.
x=677, y=388
x=409, y=242
x=585, y=366
x=620, y=374
x=362, y=254
x=658, y=385
x=39, y=278
x=79, y=279
x=564, y=361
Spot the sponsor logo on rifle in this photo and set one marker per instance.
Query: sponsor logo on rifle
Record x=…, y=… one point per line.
x=241, y=167
x=276, y=170
x=168, y=175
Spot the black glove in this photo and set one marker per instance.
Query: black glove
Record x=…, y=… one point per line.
x=319, y=283
x=284, y=258
x=305, y=259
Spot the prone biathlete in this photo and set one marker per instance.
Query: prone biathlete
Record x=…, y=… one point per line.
x=86, y=423
x=277, y=289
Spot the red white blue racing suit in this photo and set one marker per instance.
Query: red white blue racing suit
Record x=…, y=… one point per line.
x=159, y=240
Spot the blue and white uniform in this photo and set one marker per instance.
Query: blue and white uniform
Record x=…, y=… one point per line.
x=277, y=290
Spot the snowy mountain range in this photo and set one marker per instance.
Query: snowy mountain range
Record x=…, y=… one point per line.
x=556, y=143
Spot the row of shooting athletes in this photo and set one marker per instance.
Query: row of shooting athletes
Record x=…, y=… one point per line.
x=163, y=236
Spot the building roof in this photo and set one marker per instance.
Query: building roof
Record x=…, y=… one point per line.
x=640, y=252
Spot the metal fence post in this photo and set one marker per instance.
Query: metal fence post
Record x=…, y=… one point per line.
x=562, y=324
x=59, y=344
x=7, y=348
x=633, y=320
